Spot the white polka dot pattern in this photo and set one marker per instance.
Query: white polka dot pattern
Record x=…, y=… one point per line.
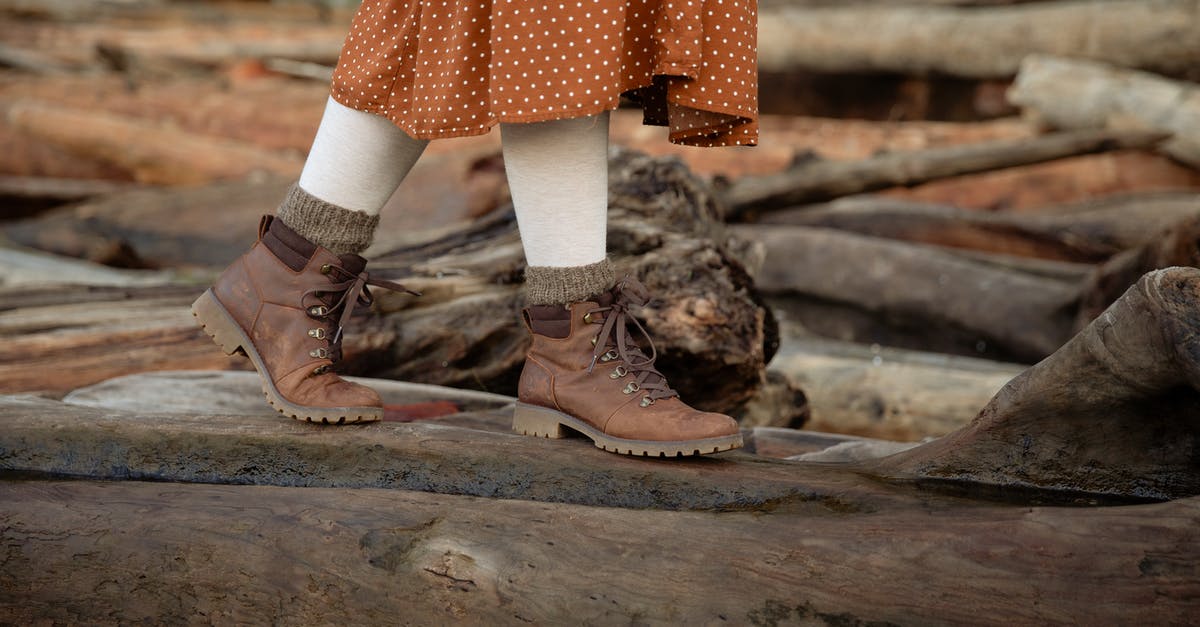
x=449, y=68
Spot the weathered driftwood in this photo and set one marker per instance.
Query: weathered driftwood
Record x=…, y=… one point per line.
x=1113, y=410
x=871, y=290
x=817, y=180
x=151, y=153
x=1089, y=232
x=108, y=553
x=888, y=393
x=1075, y=94
x=1161, y=36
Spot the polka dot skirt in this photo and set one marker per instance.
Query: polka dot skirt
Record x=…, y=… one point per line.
x=449, y=68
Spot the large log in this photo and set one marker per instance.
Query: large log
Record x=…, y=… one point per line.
x=1161, y=36
x=1113, y=409
x=1088, y=232
x=817, y=180
x=1075, y=94
x=1061, y=182
x=871, y=290
x=121, y=553
x=150, y=153
x=888, y=393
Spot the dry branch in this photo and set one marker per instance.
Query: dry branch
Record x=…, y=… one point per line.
x=816, y=181
x=1078, y=94
x=1161, y=36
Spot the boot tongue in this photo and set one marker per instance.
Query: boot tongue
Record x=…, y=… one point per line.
x=352, y=263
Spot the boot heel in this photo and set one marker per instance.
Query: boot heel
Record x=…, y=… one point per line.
x=217, y=323
x=537, y=421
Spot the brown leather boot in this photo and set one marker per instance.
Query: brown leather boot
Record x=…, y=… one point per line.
x=283, y=304
x=585, y=372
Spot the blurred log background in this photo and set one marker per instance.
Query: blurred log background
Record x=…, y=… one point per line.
x=945, y=193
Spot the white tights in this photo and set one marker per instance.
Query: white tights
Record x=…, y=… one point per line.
x=557, y=171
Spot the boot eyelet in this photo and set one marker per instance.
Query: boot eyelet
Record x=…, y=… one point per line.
x=618, y=372
x=318, y=310
x=646, y=401
x=317, y=333
x=595, y=339
x=319, y=353
x=609, y=356
x=587, y=318
x=631, y=387
x=327, y=268
x=321, y=369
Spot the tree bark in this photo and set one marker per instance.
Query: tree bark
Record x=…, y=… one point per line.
x=1160, y=36
x=1078, y=94
x=816, y=181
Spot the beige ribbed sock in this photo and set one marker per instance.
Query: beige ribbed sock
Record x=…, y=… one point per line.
x=340, y=230
x=548, y=285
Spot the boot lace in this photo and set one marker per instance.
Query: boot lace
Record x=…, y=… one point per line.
x=335, y=304
x=615, y=342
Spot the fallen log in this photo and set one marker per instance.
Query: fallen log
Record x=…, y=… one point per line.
x=150, y=153
x=1089, y=232
x=127, y=552
x=1112, y=410
x=870, y=290
x=888, y=393
x=1161, y=36
x=1062, y=182
x=816, y=181
x=1075, y=94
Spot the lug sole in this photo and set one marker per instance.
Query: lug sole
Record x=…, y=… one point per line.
x=544, y=422
x=228, y=335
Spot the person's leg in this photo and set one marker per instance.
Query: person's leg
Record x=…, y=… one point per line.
x=558, y=174
x=357, y=161
x=283, y=302
x=584, y=370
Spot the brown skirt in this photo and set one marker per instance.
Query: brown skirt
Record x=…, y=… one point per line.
x=450, y=68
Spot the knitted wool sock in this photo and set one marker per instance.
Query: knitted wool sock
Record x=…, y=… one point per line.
x=547, y=285
x=558, y=174
x=358, y=159
x=340, y=230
